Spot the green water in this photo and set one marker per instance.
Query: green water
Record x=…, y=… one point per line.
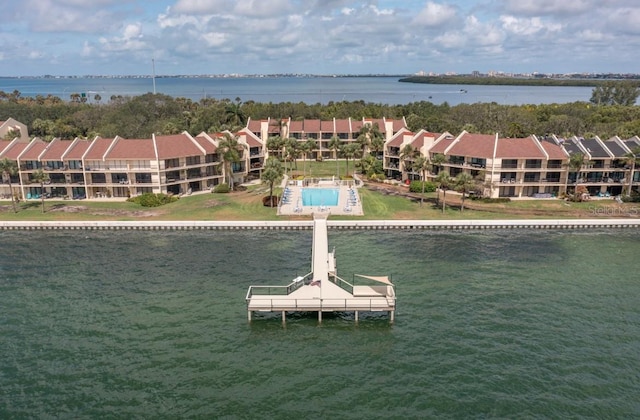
x=515, y=324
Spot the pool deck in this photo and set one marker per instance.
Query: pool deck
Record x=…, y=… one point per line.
x=347, y=206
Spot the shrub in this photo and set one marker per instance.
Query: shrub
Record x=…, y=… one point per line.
x=153, y=200
x=416, y=186
x=221, y=188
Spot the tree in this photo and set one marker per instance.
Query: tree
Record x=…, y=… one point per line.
x=623, y=93
x=291, y=152
x=335, y=145
x=632, y=158
x=40, y=177
x=444, y=182
x=350, y=151
x=9, y=168
x=231, y=151
x=464, y=182
x=437, y=161
x=575, y=164
x=274, y=144
x=306, y=148
x=234, y=113
x=406, y=157
x=272, y=173
x=422, y=164
x=370, y=138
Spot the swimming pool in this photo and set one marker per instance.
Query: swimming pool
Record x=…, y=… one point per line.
x=320, y=196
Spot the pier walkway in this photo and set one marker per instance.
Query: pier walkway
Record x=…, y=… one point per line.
x=322, y=290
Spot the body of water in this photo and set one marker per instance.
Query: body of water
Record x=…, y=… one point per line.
x=385, y=90
x=130, y=324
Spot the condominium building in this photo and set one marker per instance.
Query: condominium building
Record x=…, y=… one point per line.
x=181, y=163
x=119, y=167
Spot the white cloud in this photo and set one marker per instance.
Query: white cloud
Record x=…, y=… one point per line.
x=434, y=14
x=550, y=7
x=528, y=26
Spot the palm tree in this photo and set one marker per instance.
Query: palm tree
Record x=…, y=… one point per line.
x=306, y=148
x=421, y=164
x=632, y=159
x=437, y=161
x=234, y=113
x=274, y=144
x=272, y=173
x=575, y=164
x=464, y=182
x=370, y=138
x=349, y=151
x=40, y=177
x=406, y=157
x=9, y=168
x=444, y=182
x=335, y=145
x=291, y=152
x=230, y=151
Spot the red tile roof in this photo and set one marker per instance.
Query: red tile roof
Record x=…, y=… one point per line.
x=175, y=146
x=56, y=149
x=397, y=140
x=14, y=151
x=553, y=150
x=474, y=145
x=3, y=144
x=327, y=126
x=441, y=145
x=251, y=141
x=34, y=151
x=311, y=126
x=419, y=141
x=255, y=125
x=296, y=127
x=518, y=148
x=98, y=148
x=77, y=150
x=343, y=126
x=131, y=149
x=398, y=125
x=207, y=144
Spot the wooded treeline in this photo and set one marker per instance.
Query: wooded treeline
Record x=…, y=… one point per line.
x=140, y=116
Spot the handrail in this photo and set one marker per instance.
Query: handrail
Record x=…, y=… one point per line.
x=371, y=304
x=288, y=289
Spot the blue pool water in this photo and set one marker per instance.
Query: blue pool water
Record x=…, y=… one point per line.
x=319, y=196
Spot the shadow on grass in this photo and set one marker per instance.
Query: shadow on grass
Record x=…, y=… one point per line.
x=30, y=205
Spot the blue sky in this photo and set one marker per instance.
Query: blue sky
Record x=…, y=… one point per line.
x=122, y=37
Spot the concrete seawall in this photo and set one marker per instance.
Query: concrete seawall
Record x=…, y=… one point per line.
x=333, y=224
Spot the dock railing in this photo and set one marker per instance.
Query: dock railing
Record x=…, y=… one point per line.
x=278, y=290
x=315, y=304
x=342, y=283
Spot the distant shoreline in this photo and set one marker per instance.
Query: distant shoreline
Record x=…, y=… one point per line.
x=514, y=81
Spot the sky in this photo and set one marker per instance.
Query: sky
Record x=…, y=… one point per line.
x=194, y=37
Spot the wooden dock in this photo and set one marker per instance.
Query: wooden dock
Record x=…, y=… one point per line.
x=322, y=290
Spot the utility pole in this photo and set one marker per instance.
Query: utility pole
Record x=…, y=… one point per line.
x=153, y=65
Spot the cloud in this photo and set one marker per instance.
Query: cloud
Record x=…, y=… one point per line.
x=249, y=8
x=434, y=15
x=550, y=7
x=130, y=41
x=528, y=26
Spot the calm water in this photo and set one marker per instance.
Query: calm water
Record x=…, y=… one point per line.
x=385, y=90
x=514, y=324
x=320, y=196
